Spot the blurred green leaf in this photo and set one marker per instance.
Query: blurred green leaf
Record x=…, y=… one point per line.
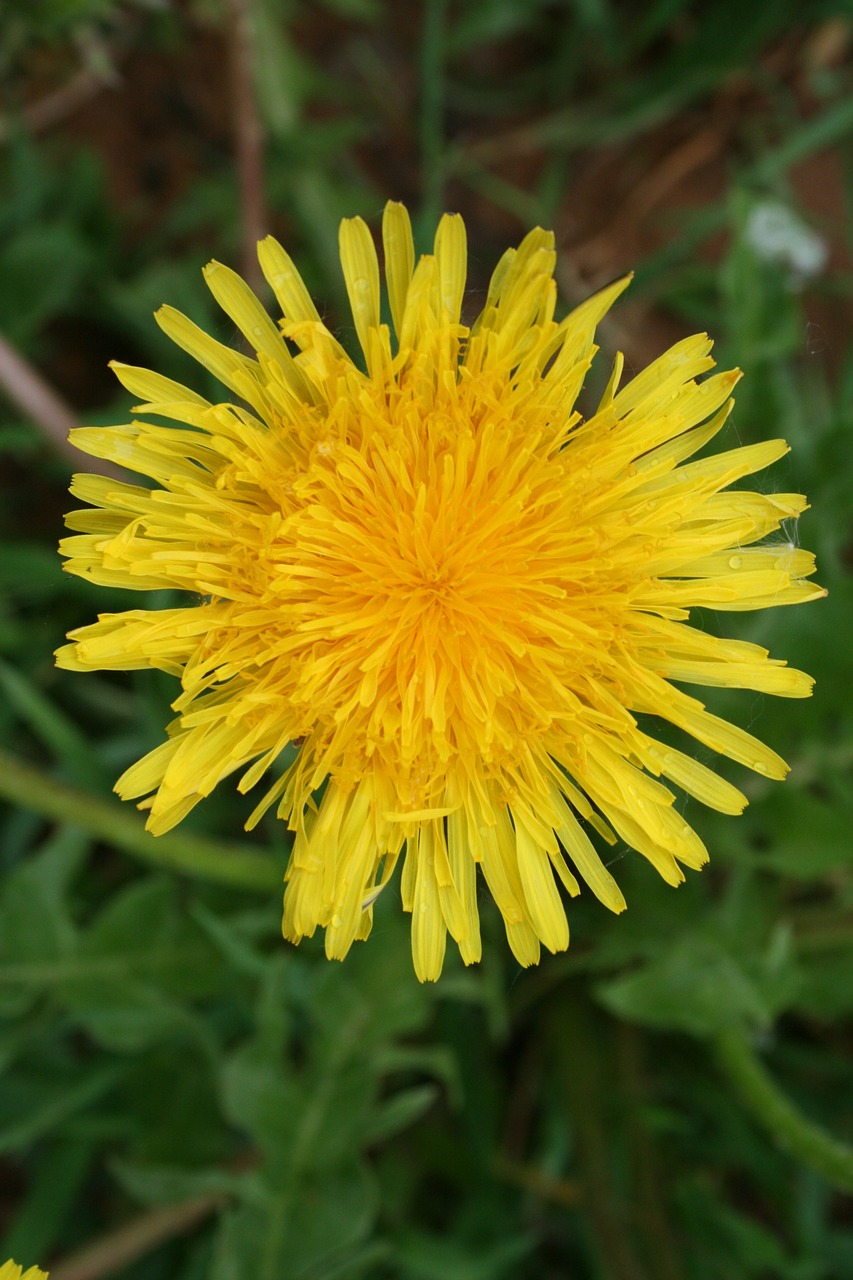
x=696, y=986
x=58, y=1182
x=134, y=964
x=35, y=923
x=169, y=1185
x=333, y=1219
x=51, y=726
x=424, y=1257
x=404, y=1108
x=28, y=1111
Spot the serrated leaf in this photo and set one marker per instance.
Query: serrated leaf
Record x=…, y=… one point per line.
x=695, y=986
x=307, y=1231
x=164, y=1184
x=399, y=1111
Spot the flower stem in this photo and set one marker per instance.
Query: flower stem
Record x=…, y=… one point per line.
x=795, y=1134
x=44, y=407
x=249, y=139
x=191, y=855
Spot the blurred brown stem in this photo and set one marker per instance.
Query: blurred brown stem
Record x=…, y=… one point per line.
x=27, y=389
x=679, y=163
x=100, y=71
x=559, y=1190
x=120, y=1248
x=248, y=138
x=54, y=106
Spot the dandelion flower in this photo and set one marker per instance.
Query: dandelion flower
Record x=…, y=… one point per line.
x=12, y=1271
x=454, y=596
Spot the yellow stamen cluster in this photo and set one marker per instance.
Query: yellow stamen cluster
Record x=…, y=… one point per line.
x=453, y=592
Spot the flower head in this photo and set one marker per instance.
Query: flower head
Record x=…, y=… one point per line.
x=447, y=590
x=12, y=1271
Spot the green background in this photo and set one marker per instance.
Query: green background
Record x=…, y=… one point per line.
x=182, y=1094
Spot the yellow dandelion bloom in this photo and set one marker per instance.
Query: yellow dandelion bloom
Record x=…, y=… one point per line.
x=448, y=590
x=11, y=1271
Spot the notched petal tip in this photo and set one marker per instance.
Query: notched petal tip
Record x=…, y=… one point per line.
x=360, y=266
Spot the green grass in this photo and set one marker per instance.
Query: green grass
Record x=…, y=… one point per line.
x=606, y=1115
